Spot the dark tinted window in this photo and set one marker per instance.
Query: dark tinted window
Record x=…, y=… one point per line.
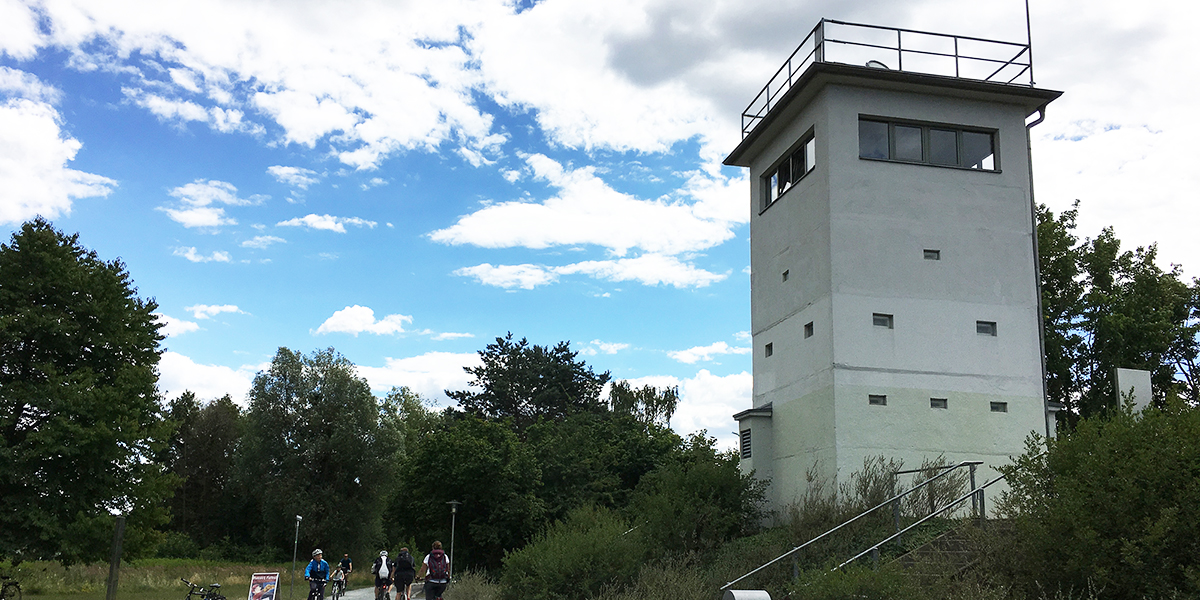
x=908, y=143
x=977, y=150
x=943, y=147
x=872, y=139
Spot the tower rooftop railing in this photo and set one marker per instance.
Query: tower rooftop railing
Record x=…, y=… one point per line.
x=897, y=49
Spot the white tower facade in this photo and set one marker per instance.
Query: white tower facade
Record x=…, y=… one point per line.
x=894, y=276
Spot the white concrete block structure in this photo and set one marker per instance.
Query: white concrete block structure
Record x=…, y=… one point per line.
x=894, y=290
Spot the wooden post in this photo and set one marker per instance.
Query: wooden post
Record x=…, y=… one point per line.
x=114, y=564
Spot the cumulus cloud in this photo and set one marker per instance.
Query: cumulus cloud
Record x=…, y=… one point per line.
x=180, y=112
x=173, y=327
x=448, y=335
x=197, y=202
x=297, y=177
x=360, y=319
x=586, y=210
x=649, y=269
x=429, y=374
x=598, y=347
x=327, y=222
x=179, y=373
x=262, y=241
x=190, y=253
x=35, y=151
x=705, y=353
x=208, y=311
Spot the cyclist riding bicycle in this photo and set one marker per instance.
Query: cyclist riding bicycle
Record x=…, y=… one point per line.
x=316, y=573
x=346, y=565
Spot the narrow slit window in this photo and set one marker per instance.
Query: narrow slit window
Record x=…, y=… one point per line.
x=985, y=328
x=999, y=407
x=877, y=399
x=932, y=254
x=746, y=443
x=808, y=329
x=785, y=275
x=768, y=350
x=938, y=403
x=882, y=320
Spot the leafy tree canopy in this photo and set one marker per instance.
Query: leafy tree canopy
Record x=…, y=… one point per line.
x=522, y=382
x=80, y=419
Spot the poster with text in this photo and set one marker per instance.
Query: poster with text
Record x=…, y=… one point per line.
x=263, y=586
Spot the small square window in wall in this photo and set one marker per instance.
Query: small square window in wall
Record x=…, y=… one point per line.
x=882, y=320
x=938, y=403
x=808, y=329
x=877, y=399
x=985, y=328
x=999, y=407
x=769, y=349
x=933, y=254
x=785, y=275
x=745, y=443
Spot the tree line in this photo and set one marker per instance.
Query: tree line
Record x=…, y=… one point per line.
x=85, y=434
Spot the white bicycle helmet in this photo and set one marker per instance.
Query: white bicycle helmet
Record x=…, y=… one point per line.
x=317, y=552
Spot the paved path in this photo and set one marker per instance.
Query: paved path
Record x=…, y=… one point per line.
x=368, y=593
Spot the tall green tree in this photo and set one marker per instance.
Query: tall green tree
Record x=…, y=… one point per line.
x=319, y=445
x=1106, y=308
x=647, y=404
x=521, y=381
x=208, y=505
x=80, y=418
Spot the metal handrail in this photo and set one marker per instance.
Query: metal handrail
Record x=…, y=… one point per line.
x=959, y=500
x=947, y=470
x=784, y=78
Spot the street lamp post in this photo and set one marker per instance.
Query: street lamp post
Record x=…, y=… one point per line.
x=453, y=518
x=295, y=545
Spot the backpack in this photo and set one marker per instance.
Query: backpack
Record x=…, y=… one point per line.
x=404, y=562
x=439, y=567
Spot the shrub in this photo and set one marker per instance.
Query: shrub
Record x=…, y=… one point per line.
x=574, y=558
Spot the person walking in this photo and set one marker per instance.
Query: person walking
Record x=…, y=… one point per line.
x=382, y=570
x=437, y=566
x=406, y=571
x=316, y=574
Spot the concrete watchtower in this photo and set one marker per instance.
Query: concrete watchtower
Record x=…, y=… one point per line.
x=894, y=289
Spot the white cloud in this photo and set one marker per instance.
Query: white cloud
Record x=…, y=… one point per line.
x=705, y=353
x=359, y=319
x=428, y=374
x=184, y=111
x=208, y=311
x=26, y=85
x=648, y=269
x=179, y=373
x=708, y=402
x=262, y=241
x=191, y=254
x=448, y=335
x=297, y=177
x=327, y=222
x=743, y=336
x=173, y=327
x=596, y=347
x=34, y=152
x=197, y=200
x=587, y=210
x=509, y=276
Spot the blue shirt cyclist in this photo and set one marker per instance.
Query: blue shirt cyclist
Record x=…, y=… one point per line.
x=318, y=569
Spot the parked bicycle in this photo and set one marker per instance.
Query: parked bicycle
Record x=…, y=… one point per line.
x=11, y=589
x=211, y=592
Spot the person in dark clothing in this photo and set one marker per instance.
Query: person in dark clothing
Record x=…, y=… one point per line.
x=382, y=570
x=406, y=571
x=437, y=564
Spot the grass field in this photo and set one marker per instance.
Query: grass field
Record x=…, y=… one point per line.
x=158, y=579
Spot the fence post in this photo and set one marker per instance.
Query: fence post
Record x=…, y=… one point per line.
x=875, y=558
x=114, y=564
x=819, y=42
x=974, y=500
x=982, y=510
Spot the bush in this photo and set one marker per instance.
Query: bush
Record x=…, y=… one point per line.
x=854, y=583
x=574, y=558
x=1113, y=507
x=176, y=544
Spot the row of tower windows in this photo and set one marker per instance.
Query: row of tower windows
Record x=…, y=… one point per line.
x=886, y=321
x=874, y=400
x=938, y=403
x=927, y=254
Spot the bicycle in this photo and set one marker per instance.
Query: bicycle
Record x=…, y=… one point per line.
x=195, y=590
x=318, y=593
x=339, y=588
x=11, y=590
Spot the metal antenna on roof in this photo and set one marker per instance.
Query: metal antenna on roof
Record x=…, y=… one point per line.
x=1029, y=42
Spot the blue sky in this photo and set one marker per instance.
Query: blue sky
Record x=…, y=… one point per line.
x=406, y=181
